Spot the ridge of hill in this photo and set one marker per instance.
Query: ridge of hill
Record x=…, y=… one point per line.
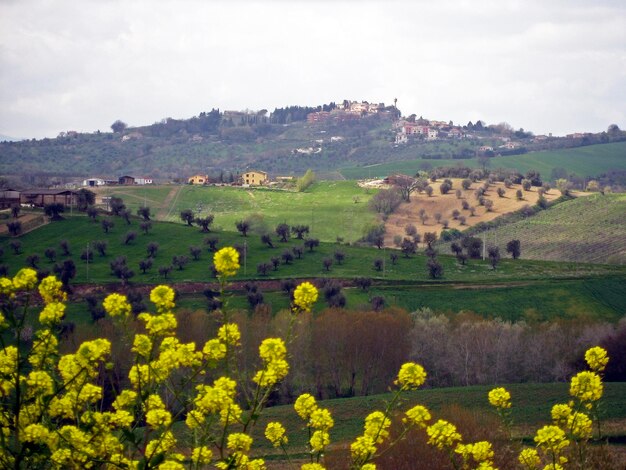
x=285, y=143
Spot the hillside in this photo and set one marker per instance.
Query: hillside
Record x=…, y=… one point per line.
x=361, y=144
x=588, y=161
x=587, y=230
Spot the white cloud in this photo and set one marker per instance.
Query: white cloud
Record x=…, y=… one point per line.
x=545, y=66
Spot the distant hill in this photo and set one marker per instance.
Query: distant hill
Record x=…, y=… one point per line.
x=586, y=229
x=290, y=140
x=588, y=161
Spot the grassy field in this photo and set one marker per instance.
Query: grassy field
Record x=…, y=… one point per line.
x=328, y=207
x=531, y=409
x=587, y=229
x=586, y=161
x=174, y=239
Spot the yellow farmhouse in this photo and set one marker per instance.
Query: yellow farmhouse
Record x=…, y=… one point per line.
x=254, y=178
x=198, y=179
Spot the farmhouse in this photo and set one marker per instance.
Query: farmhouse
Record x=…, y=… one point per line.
x=91, y=182
x=126, y=180
x=41, y=197
x=198, y=179
x=254, y=178
x=9, y=198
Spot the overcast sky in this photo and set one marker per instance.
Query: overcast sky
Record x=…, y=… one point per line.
x=547, y=66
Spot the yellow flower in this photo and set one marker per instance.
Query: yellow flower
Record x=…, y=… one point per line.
x=214, y=350
x=376, y=424
x=482, y=451
x=305, y=296
x=25, y=279
x=230, y=413
x=159, y=325
x=41, y=382
x=597, y=358
x=442, y=434
x=36, y=433
x=305, y=405
x=229, y=334
x=362, y=448
x=272, y=349
x=312, y=466
x=117, y=305
x=369, y=466
x=319, y=440
x=6, y=286
x=560, y=413
x=418, y=415
x=551, y=438
x=142, y=345
x=163, y=298
x=158, y=418
x=411, y=376
x=529, y=458
x=500, y=398
x=486, y=466
x=51, y=290
x=586, y=386
x=256, y=464
x=52, y=313
x=275, y=433
x=321, y=419
x=226, y=261
x=125, y=399
x=239, y=442
x=8, y=360
x=201, y=455
x=579, y=425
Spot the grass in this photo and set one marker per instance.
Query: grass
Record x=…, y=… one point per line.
x=585, y=161
x=176, y=238
x=586, y=229
x=531, y=408
x=328, y=207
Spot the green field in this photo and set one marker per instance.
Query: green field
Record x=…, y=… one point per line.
x=586, y=229
x=531, y=407
x=174, y=239
x=586, y=161
x=328, y=207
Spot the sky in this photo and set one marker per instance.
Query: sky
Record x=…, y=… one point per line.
x=554, y=66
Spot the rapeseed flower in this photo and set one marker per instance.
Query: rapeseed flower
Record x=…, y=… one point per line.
x=362, y=448
x=214, y=350
x=551, y=438
x=117, y=305
x=579, y=425
x=305, y=405
x=418, y=416
x=275, y=433
x=201, y=455
x=239, y=442
x=272, y=349
x=321, y=419
x=319, y=440
x=376, y=425
x=586, y=386
x=51, y=290
x=229, y=334
x=25, y=279
x=500, y=398
x=305, y=296
x=596, y=358
x=442, y=434
x=312, y=466
x=163, y=298
x=226, y=261
x=411, y=376
x=529, y=458
x=52, y=313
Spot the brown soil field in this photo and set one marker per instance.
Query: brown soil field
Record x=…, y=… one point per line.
x=408, y=213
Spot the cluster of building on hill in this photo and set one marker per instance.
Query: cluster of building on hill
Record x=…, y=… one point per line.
x=248, y=178
x=352, y=110
x=423, y=129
